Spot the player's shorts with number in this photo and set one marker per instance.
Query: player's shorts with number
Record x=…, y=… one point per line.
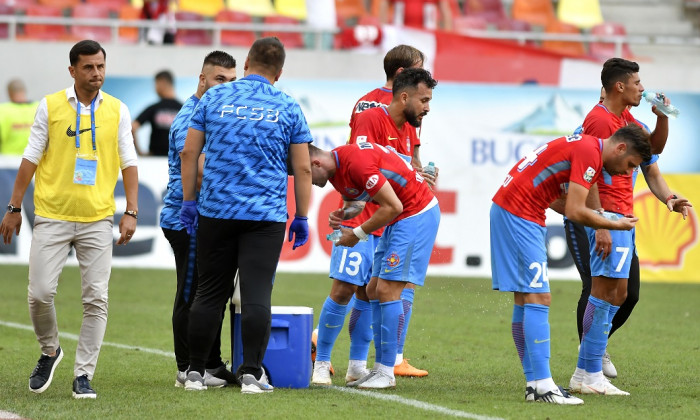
x=404, y=250
x=518, y=253
x=617, y=264
x=353, y=265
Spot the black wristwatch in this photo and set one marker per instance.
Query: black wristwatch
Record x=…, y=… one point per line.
x=13, y=209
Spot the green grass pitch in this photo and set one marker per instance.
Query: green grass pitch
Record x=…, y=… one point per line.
x=460, y=332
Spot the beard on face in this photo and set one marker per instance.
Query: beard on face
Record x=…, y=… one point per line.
x=412, y=117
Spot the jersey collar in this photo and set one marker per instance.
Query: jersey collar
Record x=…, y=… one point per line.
x=257, y=77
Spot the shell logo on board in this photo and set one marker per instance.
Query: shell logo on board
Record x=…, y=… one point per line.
x=662, y=237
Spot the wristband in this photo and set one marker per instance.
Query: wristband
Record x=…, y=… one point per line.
x=360, y=233
x=671, y=197
x=132, y=213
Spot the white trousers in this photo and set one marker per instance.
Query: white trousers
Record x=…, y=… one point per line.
x=51, y=243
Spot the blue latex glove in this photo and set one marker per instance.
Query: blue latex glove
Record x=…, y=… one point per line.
x=189, y=216
x=300, y=230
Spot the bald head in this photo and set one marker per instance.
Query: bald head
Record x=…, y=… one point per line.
x=17, y=91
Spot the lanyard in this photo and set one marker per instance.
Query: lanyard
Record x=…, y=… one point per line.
x=92, y=123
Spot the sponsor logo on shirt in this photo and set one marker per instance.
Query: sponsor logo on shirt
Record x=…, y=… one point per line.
x=365, y=105
x=371, y=182
x=590, y=173
x=71, y=133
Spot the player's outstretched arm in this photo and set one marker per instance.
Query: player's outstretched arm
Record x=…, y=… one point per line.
x=659, y=187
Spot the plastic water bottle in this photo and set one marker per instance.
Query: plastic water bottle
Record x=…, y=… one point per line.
x=608, y=215
x=430, y=169
x=658, y=100
x=336, y=235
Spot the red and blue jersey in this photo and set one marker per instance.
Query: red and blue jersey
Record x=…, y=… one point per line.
x=363, y=168
x=376, y=126
x=615, y=191
x=544, y=175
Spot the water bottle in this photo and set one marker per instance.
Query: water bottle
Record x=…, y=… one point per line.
x=658, y=100
x=336, y=235
x=430, y=169
x=608, y=215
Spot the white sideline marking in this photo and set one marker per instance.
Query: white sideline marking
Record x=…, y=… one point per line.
x=74, y=337
x=6, y=415
x=415, y=403
x=386, y=397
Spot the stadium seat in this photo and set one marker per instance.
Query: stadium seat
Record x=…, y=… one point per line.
x=114, y=6
x=605, y=50
x=191, y=36
x=291, y=8
x=350, y=9
x=535, y=12
x=91, y=11
x=516, y=26
x=252, y=7
x=129, y=34
x=239, y=38
x=463, y=24
x=208, y=8
x=490, y=10
x=44, y=31
x=581, y=13
x=367, y=32
x=571, y=48
x=5, y=27
x=61, y=4
x=21, y=5
x=289, y=39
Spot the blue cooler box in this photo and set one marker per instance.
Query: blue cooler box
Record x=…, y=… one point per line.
x=288, y=357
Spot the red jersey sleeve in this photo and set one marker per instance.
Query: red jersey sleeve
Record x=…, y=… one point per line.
x=586, y=164
x=366, y=128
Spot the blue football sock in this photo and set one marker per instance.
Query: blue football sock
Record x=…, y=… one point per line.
x=595, y=337
x=330, y=323
x=611, y=314
x=360, y=329
x=519, y=340
x=407, y=302
x=377, y=330
x=392, y=314
x=536, y=332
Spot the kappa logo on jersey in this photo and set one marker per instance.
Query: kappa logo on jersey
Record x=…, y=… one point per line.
x=393, y=260
x=371, y=182
x=590, y=173
x=352, y=191
x=361, y=139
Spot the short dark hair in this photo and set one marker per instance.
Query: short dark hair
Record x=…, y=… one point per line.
x=401, y=56
x=165, y=75
x=410, y=78
x=85, y=47
x=221, y=59
x=617, y=70
x=267, y=53
x=636, y=139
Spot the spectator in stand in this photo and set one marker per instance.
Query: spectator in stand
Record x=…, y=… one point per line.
x=160, y=115
x=159, y=10
x=425, y=14
x=16, y=118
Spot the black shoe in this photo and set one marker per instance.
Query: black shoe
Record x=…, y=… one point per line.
x=42, y=375
x=222, y=372
x=82, y=388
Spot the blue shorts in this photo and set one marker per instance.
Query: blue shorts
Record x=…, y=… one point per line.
x=518, y=253
x=403, y=252
x=617, y=265
x=353, y=265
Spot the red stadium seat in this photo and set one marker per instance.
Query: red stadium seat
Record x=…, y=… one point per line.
x=605, y=50
x=490, y=10
x=61, y=4
x=44, y=31
x=21, y=5
x=191, y=36
x=92, y=11
x=463, y=24
x=289, y=39
x=5, y=27
x=114, y=6
x=240, y=38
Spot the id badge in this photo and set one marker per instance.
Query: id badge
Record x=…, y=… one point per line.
x=85, y=170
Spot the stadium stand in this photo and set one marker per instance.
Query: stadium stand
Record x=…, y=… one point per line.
x=129, y=34
x=42, y=31
x=351, y=9
x=291, y=8
x=61, y=4
x=605, y=50
x=289, y=39
x=207, y=8
x=235, y=38
x=114, y=6
x=582, y=13
x=92, y=11
x=535, y=12
x=191, y=36
x=252, y=7
x=5, y=27
x=490, y=10
x=463, y=24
